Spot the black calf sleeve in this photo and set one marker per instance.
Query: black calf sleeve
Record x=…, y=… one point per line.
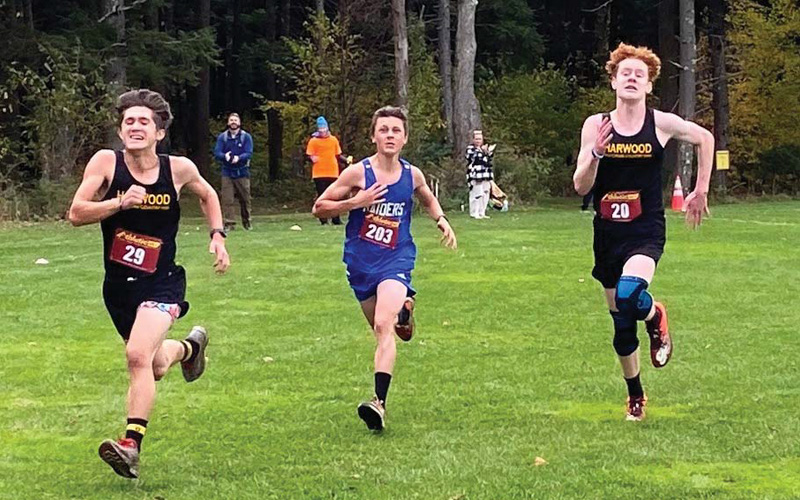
x=625, y=339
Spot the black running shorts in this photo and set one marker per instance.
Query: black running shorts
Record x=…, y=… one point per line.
x=124, y=295
x=616, y=242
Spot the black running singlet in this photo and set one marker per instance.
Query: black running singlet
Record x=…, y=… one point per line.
x=140, y=241
x=629, y=175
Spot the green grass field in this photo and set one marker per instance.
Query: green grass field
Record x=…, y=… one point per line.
x=512, y=360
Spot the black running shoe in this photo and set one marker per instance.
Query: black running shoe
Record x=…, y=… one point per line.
x=373, y=414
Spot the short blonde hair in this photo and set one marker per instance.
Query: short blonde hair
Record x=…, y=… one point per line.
x=643, y=54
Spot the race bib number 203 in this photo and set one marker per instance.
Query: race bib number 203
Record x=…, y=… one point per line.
x=381, y=231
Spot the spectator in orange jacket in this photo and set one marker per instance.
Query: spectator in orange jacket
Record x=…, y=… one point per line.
x=326, y=155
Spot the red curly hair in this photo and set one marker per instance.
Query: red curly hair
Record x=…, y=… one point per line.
x=643, y=54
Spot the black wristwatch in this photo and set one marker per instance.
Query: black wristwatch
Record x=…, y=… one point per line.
x=221, y=232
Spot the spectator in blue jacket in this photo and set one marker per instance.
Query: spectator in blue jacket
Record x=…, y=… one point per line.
x=233, y=152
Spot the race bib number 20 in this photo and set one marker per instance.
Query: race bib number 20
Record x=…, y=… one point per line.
x=621, y=206
x=379, y=230
x=134, y=250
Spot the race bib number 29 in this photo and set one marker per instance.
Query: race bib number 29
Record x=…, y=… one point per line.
x=621, y=206
x=379, y=230
x=134, y=250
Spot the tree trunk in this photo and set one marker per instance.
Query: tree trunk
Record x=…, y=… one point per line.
x=13, y=12
x=169, y=17
x=28, y=13
x=602, y=32
x=669, y=49
x=115, y=72
x=234, y=103
x=719, y=97
x=345, y=92
x=274, y=121
x=116, y=68
x=151, y=18
x=446, y=67
x=321, y=41
x=466, y=111
x=688, y=90
x=400, y=52
x=285, y=27
x=200, y=151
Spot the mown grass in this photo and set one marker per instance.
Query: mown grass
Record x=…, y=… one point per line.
x=512, y=360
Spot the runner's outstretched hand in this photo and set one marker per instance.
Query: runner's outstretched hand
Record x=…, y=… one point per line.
x=696, y=206
x=448, y=235
x=222, y=260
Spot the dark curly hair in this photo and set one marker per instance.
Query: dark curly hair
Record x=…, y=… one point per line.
x=149, y=99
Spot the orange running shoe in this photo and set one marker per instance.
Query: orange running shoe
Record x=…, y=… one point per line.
x=660, y=341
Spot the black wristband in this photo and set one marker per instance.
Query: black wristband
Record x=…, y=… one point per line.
x=443, y=216
x=221, y=232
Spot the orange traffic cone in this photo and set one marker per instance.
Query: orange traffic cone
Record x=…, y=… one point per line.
x=677, y=195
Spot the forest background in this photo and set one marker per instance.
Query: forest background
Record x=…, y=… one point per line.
x=525, y=71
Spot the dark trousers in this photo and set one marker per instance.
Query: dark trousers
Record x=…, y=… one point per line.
x=587, y=200
x=322, y=183
x=232, y=189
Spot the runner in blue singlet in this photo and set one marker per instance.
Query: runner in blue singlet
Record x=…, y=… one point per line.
x=378, y=251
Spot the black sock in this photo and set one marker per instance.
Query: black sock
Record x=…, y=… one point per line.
x=403, y=316
x=135, y=430
x=634, y=387
x=190, y=349
x=656, y=319
x=382, y=381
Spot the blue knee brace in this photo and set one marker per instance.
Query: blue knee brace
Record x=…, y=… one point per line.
x=632, y=298
x=625, y=339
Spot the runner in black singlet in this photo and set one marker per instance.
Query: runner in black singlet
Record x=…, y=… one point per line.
x=621, y=161
x=134, y=195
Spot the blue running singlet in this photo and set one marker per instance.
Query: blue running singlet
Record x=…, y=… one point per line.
x=378, y=243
